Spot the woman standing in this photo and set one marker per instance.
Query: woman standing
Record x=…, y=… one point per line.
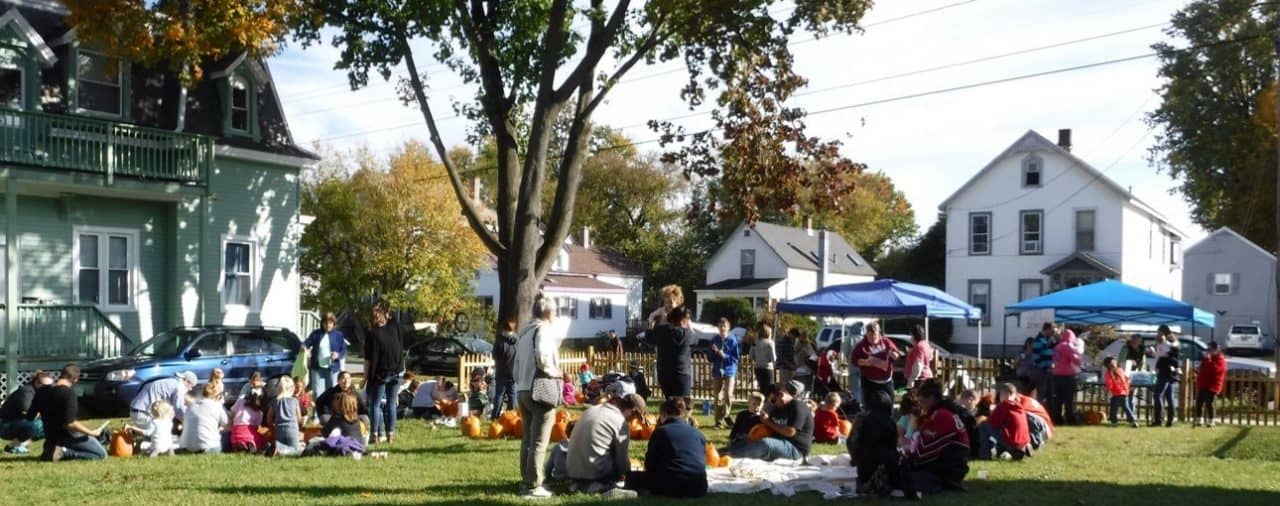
x=537, y=357
x=1066, y=365
x=383, y=366
x=920, y=359
x=504, y=363
x=805, y=358
x=674, y=342
x=874, y=356
x=764, y=355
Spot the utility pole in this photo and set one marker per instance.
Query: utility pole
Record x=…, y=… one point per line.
x=1276, y=268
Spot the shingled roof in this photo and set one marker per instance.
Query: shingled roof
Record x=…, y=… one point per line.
x=799, y=249
x=598, y=261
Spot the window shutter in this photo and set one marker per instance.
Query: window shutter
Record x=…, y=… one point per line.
x=1210, y=284
x=1235, y=283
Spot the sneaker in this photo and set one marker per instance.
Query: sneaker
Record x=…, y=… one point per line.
x=58, y=453
x=620, y=493
x=20, y=450
x=538, y=493
x=1006, y=456
x=391, y=438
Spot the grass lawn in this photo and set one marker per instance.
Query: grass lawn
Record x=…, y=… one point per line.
x=1093, y=465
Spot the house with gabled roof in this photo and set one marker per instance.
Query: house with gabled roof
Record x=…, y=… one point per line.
x=1234, y=278
x=133, y=205
x=1037, y=219
x=765, y=263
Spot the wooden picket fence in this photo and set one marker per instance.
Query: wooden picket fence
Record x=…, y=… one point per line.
x=1247, y=399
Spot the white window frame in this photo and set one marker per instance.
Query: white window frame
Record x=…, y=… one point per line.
x=1033, y=163
x=104, y=233
x=119, y=84
x=1038, y=248
x=742, y=263
x=255, y=302
x=600, y=308
x=1229, y=284
x=990, y=219
x=248, y=106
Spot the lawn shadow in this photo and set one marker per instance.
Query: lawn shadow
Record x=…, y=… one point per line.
x=1223, y=451
x=451, y=491
x=1088, y=492
x=458, y=448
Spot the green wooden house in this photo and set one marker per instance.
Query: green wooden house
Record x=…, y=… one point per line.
x=133, y=205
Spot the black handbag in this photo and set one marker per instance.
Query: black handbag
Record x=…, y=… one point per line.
x=546, y=389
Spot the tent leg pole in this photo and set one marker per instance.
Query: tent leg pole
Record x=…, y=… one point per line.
x=1004, y=341
x=979, y=340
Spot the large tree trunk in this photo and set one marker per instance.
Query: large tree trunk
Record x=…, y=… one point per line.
x=517, y=287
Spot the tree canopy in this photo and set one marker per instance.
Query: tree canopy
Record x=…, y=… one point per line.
x=1217, y=120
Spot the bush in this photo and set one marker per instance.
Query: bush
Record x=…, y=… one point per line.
x=738, y=310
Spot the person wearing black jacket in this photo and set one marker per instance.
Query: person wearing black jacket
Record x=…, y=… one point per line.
x=13, y=415
x=674, y=342
x=675, y=464
x=504, y=363
x=324, y=403
x=874, y=448
x=383, y=363
x=1166, y=378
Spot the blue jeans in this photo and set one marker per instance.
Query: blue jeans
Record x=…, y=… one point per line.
x=1119, y=402
x=1163, y=402
x=322, y=379
x=769, y=448
x=77, y=447
x=382, y=404
x=504, y=393
x=22, y=430
x=288, y=439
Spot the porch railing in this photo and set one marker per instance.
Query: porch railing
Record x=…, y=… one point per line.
x=67, y=331
x=103, y=147
x=308, y=321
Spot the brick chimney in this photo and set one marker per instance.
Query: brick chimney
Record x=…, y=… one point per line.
x=1064, y=138
x=824, y=260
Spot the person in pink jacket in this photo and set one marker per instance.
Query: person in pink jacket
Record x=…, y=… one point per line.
x=919, y=362
x=1066, y=365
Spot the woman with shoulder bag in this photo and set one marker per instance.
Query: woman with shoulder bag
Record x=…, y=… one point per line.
x=538, y=392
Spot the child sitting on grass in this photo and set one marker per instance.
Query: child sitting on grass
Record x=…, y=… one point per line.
x=1005, y=433
x=246, y=417
x=747, y=418
x=1118, y=385
x=215, y=379
x=158, y=435
x=479, y=398
x=908, y=420
x=286, y=417
x=826, y=420
x=301, y=393
x=570, y=393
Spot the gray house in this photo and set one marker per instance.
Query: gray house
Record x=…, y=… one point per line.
x=1232, y=277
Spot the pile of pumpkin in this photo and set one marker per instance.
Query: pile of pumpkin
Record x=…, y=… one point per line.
x=509, y=424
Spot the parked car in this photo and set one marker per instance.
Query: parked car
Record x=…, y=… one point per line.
x=833, y=333
x=439, y=356
x=109, y=384
x=1249, y=337
x=1189, y=348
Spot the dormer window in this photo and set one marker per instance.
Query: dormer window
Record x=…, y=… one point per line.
x=239, y=104
x=100, y=84
x=1032, y=171
x=11, y=78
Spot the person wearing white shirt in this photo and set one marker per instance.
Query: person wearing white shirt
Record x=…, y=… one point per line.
x=203, y=424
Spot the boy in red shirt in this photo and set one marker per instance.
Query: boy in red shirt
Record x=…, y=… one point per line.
x=1006, y=433
x=1209, y=382
x=1118, y=386
x=826, y=421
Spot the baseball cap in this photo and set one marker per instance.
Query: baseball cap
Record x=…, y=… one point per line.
x=620, y=388
x=795, y=387
x=188, y=377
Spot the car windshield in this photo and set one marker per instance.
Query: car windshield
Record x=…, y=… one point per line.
x=166, y=344
x=1245, y=329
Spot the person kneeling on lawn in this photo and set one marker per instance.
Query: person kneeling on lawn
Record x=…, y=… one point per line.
x=941, y=460
x=791, y=423
x=675, y=465
x=14, y=425
x=1005, y=434
x=204, y=422
x=65, y=437
x=597, y=457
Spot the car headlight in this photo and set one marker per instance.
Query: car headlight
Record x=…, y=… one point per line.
x=120, y=375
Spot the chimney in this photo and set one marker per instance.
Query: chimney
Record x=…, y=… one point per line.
x=824, y=262
x=586, y=237
x=1064, y=138
x=808, y=225
x=475, y=189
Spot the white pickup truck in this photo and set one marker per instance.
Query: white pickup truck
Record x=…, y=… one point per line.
x=1249, y=337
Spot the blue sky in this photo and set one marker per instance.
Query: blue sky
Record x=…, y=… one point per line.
x=929, y=145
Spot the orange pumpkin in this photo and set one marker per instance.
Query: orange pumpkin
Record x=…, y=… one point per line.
x=636, y=430
x=725, y=460
x=1093, y=418
x=448, y=408
x=758, y=432
x=309, y=433
x=713, y=456
x=509, y=419
x=121, y=444
x=846, y=427
x=471, y=427
x=559, y=431
x=646, y=432
x=562, y=416
x=495, y=430
x=580, y=397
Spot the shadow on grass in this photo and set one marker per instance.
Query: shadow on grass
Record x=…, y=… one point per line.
x=468, y=493
x=1223, y=451
x=1087, y=492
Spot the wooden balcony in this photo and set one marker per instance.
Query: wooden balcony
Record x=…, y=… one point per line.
x=67, y=332
x=109, y=148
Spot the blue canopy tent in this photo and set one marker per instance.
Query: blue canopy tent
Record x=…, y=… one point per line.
x=884, y=297
x=1109, y=302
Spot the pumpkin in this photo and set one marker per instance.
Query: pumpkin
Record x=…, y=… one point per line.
x=636, y=429
x=846, y=427
x=517, y=429
x=448, y=408
x=121, y=444
x=759, y=432
x=1093, y=417
x=559, y=431
x=308, y=433
x=580, y=397
x=713, y=456
x=646, y=432
x=509, y=419
x=562, y=416
x=495, y=430
x=471, y=427
x=725, y=460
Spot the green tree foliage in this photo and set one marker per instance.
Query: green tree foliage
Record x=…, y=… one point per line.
x=923, y=261
x=737, y=309
x=388, y=229
x=1217, y=135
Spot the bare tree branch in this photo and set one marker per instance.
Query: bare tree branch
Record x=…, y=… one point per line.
x=597, y=45
x=651, y=41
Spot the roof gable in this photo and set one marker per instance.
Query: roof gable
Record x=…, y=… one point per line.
x=799, y=250
x=1227, y=232
x=15, y=20
x=1032, y=141
x=599, y=261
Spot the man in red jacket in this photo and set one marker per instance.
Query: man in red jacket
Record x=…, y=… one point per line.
x=1006, y=432
x=1209, y=381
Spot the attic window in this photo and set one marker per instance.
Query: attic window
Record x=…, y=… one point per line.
x=746, y=232
x=1032, y=171
x=240, y=93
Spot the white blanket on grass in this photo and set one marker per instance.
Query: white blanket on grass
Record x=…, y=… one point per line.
x=829, y=475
